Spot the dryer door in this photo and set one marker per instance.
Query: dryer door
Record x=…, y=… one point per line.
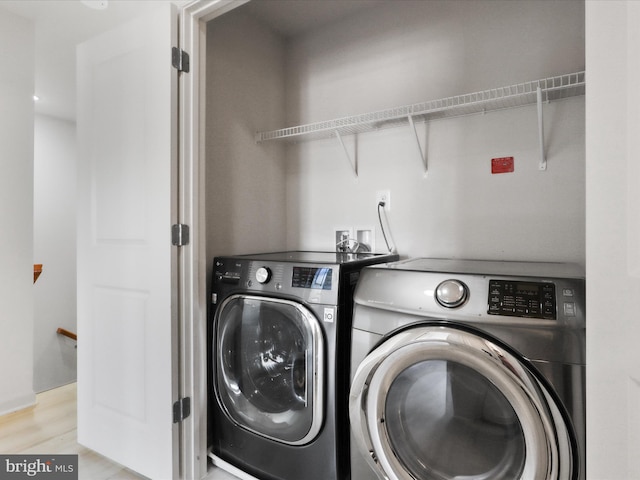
x=438, y=402
x=269, y=360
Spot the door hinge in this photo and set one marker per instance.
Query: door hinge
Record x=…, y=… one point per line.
x=180, y=59
x=179, y=234
x=181, y=409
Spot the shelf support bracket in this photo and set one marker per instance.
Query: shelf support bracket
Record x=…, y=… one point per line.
x=353, y=162
x=543, y=157
x=423, y=156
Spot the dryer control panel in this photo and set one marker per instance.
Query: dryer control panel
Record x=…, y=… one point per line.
x=522, y=299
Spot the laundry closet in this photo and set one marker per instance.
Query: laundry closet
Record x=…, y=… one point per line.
x=445, y=201
x=498, y=184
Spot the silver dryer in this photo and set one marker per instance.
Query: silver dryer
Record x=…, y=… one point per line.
x=468, y=370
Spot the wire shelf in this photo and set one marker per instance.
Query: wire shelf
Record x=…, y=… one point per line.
x=553, y=88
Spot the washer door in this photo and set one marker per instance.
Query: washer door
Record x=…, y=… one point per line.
x=439, y=402
x=269, y=358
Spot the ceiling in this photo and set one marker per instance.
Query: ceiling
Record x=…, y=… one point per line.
x=295, y=17
x=62, y=24
x=59, y=26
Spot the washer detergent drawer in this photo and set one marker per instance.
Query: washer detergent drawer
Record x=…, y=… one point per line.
x=269, y=356
x=436, y=401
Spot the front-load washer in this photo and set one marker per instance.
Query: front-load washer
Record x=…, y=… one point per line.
x=279, y=362
x=469, y=370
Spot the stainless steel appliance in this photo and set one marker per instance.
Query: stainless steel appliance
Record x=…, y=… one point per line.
x=279, y=376
x=468, y=370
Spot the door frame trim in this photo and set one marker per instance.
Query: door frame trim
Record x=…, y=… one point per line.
x=193, y=20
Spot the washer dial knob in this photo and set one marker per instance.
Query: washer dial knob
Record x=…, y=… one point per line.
x=263, y=275
x=451, y=293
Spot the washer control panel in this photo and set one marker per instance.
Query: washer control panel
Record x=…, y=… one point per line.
x=314, y=283
x=522, y=299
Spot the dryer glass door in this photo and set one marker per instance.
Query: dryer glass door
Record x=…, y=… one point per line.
x=270, y=355
x=443, y=403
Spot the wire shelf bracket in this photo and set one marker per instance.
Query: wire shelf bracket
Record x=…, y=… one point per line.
x=352, y=159
x=543, y=157
x=421, y=151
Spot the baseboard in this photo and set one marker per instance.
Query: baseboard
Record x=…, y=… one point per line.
x=17, y=403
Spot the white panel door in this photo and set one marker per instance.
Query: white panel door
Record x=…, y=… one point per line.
x=613, y=239
x=127, y=91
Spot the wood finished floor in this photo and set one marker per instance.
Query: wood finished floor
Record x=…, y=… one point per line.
x=49, y=427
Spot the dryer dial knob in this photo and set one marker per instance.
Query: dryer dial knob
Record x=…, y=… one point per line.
x=451, y=293
x=263, y=275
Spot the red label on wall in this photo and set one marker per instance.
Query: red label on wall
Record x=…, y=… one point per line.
x=502, y=165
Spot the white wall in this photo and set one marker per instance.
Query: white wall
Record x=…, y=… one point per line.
x=54, y=247
x=408, y=52
x=245, y=182
x=16, y=212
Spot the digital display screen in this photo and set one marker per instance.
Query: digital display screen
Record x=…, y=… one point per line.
x=527, y=288
x=312, y=277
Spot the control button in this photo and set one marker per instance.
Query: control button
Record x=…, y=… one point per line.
x=451, y=293
x=569, y=309
x=263, y=275
x=329, y=315
x=567, y=292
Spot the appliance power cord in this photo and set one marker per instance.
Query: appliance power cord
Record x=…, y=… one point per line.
x=384, y=234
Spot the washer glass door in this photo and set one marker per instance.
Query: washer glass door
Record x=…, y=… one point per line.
x=270, y=356
x=442, y=403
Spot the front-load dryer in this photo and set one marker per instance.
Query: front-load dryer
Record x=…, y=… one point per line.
x=468, y=370
x=280, y=336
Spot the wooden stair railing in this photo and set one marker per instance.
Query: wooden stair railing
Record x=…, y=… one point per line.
x=37, y=270
x=67, y=333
